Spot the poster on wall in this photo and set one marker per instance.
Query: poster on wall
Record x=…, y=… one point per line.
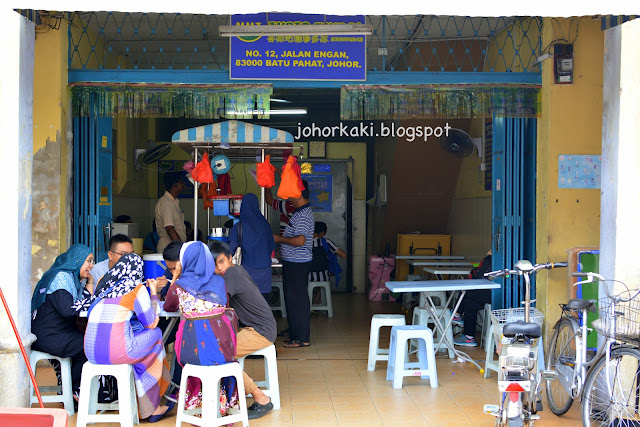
x=321, y=191
x=578, y=171
x=299, y=57
x=173, y=166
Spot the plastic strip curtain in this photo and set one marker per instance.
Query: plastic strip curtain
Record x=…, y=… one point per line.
x=178, y=100
x=395, y=102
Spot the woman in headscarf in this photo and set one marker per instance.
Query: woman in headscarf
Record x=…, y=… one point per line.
x=122, y=329
x=53, y=315
x=253, y=234
x=207, y=331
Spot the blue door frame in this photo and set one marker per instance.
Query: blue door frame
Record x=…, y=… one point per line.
x=92, y=193
x=514, y=203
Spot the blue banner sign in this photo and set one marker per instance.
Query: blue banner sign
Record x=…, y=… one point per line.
x=321, y=191
x=322, y=168
x=299, y=57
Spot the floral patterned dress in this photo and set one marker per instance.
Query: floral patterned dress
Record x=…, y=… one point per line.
x=206, y=336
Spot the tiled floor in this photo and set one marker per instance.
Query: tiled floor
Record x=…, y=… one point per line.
x=328, y=383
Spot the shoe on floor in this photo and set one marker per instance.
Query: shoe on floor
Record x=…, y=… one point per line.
x=464, y=341
x=257, y=410
x=457, y=320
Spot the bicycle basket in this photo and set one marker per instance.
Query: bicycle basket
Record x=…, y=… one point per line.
x=623, y=324
x=499, y=318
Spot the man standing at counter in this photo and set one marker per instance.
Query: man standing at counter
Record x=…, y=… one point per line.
x=296, y=251
x=169, y=216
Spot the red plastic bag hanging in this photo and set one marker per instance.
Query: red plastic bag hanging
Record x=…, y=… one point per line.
x=266, y=173
x=289, y=187
x=224, y=184
x=206, y=191
x=296, y=169
x=202, y=172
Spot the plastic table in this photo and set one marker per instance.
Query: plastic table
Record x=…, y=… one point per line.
x=426, y=286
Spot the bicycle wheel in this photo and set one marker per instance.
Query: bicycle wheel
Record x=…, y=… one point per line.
x=562, y=352
x=613, y=401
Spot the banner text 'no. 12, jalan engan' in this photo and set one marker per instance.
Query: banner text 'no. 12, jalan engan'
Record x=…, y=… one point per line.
x=298, y=57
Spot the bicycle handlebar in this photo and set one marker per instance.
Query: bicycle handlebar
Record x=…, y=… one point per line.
x=590, y=276
x=506, y=272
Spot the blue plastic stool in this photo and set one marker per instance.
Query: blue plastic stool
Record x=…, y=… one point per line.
x=399, y=366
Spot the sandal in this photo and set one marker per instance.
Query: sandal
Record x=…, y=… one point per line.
x=296, y=344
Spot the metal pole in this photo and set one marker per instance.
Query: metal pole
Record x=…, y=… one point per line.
x=195, y=203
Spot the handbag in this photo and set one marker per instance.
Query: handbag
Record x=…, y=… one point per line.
x=237, y=255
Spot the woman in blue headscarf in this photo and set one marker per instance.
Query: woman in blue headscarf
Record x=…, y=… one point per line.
x=253, y=234
x=52, y=306
x=207, y=331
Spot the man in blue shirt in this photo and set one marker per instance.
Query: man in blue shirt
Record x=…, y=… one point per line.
x=296, y=252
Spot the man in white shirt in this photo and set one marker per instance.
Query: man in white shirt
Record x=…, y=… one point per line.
x=169, y=216
x=119, y=245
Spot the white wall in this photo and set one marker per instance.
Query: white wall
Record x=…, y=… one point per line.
x=16, y=158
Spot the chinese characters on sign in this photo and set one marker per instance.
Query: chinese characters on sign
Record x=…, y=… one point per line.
x=299, y=57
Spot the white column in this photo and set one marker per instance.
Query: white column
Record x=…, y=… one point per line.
x=620, y=201
x=16, y=153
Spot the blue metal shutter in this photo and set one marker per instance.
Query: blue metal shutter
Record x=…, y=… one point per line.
x=92, y=193
x=514, y=203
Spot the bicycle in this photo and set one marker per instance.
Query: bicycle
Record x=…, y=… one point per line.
x=519, y=377
x=599, y=382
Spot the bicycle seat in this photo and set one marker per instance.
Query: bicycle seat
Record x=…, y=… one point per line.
x=530, y=330
x=581, y=304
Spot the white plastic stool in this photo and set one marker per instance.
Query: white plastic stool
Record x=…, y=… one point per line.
x=67, y=391
x=485, y=322
x=422, y=317
x=271, y=386
x=210, y=410
x=325, y=304
x=399, y=366
x=127, y=404
x=439, y=298
x=282, y=308
x=377, y=322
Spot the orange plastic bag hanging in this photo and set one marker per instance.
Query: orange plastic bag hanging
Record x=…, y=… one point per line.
x=289, y=187
x=202, y=172
x=266, y=173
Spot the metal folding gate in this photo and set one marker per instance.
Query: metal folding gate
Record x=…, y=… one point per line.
x=514, y=203
x=92, y=194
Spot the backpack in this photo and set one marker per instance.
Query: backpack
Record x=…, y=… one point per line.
x=320, y=260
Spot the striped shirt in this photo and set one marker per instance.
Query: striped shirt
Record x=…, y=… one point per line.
x=301, y=223
x=322, y=276
x=286, y=209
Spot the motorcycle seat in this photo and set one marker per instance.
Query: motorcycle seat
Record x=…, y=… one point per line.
x=530, y=330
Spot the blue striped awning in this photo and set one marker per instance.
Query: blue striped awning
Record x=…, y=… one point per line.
x=231, y=131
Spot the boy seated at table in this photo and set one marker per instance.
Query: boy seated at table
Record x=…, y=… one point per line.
x=324, y=263
x=473, y=301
